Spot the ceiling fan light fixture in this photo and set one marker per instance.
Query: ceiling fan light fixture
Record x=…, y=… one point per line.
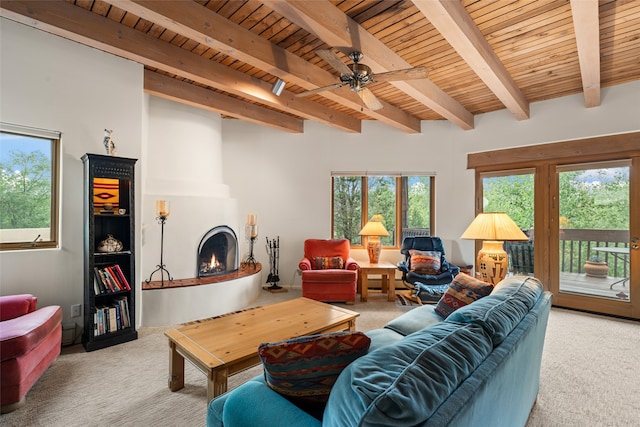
x=278, y=87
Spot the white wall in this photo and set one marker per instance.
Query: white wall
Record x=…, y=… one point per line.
x=52, y=83
x=183, y=165
x=286, y=179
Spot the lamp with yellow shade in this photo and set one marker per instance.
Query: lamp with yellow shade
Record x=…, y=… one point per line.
x=493, y=228
x=373, y=230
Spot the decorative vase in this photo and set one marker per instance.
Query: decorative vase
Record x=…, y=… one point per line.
x=110, y=244
x=596, y=269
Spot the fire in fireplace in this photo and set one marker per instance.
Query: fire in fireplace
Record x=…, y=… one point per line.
x=218, y=252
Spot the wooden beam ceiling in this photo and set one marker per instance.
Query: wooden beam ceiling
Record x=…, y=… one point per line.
x=453, y=21
x=587, y=28
x=482, y=56
x=63, y=19
x=185, y=93
x=205, y=26
x=337, y=29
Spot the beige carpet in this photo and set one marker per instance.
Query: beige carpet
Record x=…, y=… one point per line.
x=589, y=377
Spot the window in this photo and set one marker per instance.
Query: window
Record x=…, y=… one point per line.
x=29, y=160
x=404, y=200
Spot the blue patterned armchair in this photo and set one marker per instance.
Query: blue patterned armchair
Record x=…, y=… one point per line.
x=425, y=268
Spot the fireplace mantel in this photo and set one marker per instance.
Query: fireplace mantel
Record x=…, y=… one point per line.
x=224, y=277
x=186, y=300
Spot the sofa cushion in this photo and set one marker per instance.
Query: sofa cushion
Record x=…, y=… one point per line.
x=501, y=311
x=425, y=262
x=405, y=383
x=463, y=290
x=305, y=368
x=383, y=337
x=326, y=262
x=414, y=320
x=333, y=276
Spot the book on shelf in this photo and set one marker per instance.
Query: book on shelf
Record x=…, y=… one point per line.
x=122, y=277
x=113, y=321
x=110, y=279
x=112, y=318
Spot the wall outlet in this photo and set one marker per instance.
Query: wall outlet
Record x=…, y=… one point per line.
x=76, y=310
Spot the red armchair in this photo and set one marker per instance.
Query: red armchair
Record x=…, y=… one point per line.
x=30, y=342
x=329, y=273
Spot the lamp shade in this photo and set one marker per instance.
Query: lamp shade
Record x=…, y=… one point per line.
x=493, y=226
x=374, y=227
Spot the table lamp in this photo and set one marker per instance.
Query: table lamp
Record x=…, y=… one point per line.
x=493, y=228
x=373, y=230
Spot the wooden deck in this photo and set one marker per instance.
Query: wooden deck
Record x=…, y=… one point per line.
x=580, y=283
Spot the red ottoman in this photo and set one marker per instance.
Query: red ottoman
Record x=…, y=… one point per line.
x=30, y=341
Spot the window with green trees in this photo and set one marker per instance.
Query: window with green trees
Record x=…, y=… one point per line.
x=404, y=201
x=28, y=187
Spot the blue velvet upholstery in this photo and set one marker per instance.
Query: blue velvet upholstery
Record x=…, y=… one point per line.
x=414, y=320
x=501, y=311
x=480, y=367
x=385, y=387
x=428, y=287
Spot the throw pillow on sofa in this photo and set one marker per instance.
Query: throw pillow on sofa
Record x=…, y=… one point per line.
x=304, y=369
x=463, y=291
x=425, y=262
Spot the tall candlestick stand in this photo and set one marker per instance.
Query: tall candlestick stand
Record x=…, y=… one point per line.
x=162, y=207
x=250, y=259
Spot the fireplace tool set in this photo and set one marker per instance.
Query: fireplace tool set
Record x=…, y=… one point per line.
x=273, y=249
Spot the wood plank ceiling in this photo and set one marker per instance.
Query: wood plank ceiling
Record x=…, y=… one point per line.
x=482, y=55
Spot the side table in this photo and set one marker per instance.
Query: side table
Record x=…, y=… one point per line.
x=385, y=269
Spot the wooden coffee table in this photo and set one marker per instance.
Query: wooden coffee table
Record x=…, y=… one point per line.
x=228, y=344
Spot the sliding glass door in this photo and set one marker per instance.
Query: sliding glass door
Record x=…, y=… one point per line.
x=579, y=202
x=595, y=261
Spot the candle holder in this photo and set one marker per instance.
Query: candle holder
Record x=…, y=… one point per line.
x=163, y=211
x=251, y=231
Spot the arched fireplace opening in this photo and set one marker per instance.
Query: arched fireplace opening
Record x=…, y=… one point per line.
x=218, y=252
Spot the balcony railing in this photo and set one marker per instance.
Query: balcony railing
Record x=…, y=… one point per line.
x=577, y=246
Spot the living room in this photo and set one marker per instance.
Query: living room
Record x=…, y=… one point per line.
x=276, y=175
x=52, y=83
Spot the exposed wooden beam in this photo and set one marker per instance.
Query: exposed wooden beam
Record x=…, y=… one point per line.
x=77, y=24
x=587, y=28
x=189, y=94
x=335, y=28
x=203, y=25
x=452, y=20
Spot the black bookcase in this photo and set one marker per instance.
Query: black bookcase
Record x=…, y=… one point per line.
x=109, y=215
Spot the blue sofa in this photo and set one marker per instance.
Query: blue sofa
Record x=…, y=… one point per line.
x=479, y=367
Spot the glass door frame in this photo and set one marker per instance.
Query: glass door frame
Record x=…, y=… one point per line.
x=544, y=158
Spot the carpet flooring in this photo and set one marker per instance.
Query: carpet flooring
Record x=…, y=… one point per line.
x=589, y=377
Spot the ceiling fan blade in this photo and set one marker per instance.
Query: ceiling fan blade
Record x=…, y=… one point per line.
x=408, y=74
x=369, y=99
x=319, y=89
x=334, y=60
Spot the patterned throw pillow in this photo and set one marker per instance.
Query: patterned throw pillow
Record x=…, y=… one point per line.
x=463, y=291
x=425, y=262
x=326, y=262
x=304, y=369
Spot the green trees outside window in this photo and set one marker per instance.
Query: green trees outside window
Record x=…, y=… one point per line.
x=28, y=179
x=403, y=201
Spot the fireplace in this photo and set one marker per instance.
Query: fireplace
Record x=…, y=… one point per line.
x=218, y=252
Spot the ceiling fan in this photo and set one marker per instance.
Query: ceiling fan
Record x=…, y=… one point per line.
x=356, y=76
